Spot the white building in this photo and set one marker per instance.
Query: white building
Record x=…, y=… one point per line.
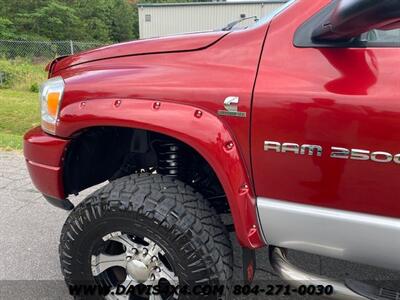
x=163, y=19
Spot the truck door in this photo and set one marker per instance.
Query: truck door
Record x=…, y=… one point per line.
x=325, y=143
x=326, y=121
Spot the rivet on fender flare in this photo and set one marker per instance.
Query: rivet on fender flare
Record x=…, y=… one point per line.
x=117, y=103
x=244, y=189
x=156, y=105
x=198, y=113
x=229, y=145
x=83, y=104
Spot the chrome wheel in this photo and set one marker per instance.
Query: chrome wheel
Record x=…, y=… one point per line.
x=146, y=231
x=137, y=261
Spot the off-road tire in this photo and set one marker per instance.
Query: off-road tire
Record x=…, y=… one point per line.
x=170, y=211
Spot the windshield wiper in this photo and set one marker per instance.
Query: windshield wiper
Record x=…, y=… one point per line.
x=234, y=23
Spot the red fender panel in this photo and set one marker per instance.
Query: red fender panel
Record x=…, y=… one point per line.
x=198, y=128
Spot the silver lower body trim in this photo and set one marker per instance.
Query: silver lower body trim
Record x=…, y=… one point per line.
x=351, y=236
x=297, y=277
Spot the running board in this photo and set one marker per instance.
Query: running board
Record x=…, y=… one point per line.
x=372, y=292
x=297, y=277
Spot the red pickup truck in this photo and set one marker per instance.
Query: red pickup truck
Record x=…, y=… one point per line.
x=286, y=132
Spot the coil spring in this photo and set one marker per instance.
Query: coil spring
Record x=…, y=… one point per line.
x=168, y=159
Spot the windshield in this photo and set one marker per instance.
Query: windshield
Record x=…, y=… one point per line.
x=271, y=15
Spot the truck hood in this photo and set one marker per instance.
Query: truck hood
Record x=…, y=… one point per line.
x=179, y=43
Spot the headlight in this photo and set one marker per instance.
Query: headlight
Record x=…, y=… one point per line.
x=51, y=94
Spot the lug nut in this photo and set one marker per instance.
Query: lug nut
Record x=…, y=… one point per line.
x=154, y=259
x=135, y=251
x=157, y=269
x=145, y=251
x=128, y=258
x=152, y=277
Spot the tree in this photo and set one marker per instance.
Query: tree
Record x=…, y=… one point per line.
x=6, y=29
x=122, y=24
x=104, y=21
x=96, y=18
x=54, y=21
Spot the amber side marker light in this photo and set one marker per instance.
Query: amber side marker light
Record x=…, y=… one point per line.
x=51, y=94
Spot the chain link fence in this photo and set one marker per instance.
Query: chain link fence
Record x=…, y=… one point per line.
x=42, y=51
x=22, y=62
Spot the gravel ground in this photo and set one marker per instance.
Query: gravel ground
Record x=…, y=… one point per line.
x=29, y=234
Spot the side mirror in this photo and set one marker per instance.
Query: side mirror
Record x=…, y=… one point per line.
x=351, y=18
x=344, y=21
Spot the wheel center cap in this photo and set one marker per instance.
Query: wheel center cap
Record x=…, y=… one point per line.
x=138, y=270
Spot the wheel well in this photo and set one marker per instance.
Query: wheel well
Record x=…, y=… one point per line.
x=99, y=154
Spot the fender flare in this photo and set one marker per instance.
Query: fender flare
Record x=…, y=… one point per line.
x=200, y=129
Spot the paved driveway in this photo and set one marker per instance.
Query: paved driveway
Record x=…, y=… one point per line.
x=30, y=228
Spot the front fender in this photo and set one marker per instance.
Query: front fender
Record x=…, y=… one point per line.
x=196, y=127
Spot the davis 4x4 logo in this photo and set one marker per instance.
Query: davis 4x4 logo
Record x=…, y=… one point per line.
x=335, y=152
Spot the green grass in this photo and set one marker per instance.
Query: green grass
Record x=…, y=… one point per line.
x=19, y=107
x=19, y=111
x=21, y=74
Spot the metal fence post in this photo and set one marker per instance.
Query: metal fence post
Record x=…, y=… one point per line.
x=72, y=47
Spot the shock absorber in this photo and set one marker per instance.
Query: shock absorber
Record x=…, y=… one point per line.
x=168, y=159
